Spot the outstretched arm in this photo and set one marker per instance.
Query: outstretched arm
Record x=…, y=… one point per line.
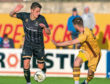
x=17, y=9
x=47, y=30
x=66, y=43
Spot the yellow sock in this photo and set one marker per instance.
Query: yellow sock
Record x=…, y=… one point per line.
x=89, y=78
x=76, y=73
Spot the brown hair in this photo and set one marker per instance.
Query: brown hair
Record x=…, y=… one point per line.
x=78, y=21
x=35, y=5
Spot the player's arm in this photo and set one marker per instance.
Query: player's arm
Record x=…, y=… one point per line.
x=47, y=30
x=17, y=9
x=66, y=43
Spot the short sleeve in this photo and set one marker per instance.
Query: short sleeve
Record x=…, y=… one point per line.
x=82, y=37
x=45, y=22
x=21, y=15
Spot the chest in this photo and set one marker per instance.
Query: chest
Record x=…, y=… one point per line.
x=32, y=25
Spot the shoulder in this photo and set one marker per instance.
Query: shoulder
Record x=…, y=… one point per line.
x=78, y=16
x=91, y=14
x=70, y=17
x=24, y=13
x=87, y=31
x=41, y=16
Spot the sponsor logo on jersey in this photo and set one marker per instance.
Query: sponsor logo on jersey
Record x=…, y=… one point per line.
x=26, y=20
x=36, y=24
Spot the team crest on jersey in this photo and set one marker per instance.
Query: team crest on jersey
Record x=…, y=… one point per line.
x=26, y=20
x=36, y=24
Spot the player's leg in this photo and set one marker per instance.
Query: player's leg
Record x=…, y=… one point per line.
x=78, y=61
x=39, y=54
x=92, y=64
x=27, y=70
x=89, y=77
x=26, y=57
x=42, y=66
x=76, y=70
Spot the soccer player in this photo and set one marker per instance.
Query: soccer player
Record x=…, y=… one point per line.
x=89, y=50
x=33, y=24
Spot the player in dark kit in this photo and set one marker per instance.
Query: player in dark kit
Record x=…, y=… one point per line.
x=33, y=24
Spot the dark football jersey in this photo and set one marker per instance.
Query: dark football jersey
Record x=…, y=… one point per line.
x=33, y=32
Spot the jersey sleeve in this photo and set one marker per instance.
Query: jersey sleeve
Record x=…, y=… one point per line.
x=21, y=15
x=45, y=22
x=82, y=38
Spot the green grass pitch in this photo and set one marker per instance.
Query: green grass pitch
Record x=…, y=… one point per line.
x=50, y=80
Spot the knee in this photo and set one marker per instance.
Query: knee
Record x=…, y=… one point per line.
x=41, y=66
x=76, y=64
x=26, y=64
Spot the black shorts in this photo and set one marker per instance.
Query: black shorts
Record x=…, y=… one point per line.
x=36, y=51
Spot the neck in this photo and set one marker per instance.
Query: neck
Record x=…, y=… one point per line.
x=81, y=29
x=32, y=17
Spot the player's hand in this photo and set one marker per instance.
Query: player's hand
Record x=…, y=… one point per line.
x=18, y=8
x=42, y=25
x=55, y=43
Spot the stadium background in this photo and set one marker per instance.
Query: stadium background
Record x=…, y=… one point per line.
x=56, y=13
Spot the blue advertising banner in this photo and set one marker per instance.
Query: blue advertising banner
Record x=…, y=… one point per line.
x=108, y=64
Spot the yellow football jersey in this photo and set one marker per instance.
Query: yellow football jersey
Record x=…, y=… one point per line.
x=89, y=42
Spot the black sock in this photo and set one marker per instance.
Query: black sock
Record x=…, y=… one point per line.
x=27, y=75
x=44, y=69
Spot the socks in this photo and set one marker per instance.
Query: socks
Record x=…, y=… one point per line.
x=76, y=82
x=90, y=76
x=86, y=82
x=29, y=83
x=44, y=69
x=76, y=74
x=27, y=75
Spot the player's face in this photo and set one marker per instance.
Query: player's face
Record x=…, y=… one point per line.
x=77, y=28
x=35, y=12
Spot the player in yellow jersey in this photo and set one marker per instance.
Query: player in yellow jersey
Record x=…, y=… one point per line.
x=89, y=50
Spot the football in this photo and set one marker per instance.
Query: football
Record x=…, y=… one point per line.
x=39, y=76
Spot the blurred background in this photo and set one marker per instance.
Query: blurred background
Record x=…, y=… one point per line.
x=58, y=13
